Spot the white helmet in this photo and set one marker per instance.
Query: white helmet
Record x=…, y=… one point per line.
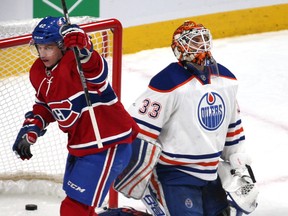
x=191, y=42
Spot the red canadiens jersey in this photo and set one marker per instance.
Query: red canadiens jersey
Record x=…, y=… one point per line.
x=60, y=97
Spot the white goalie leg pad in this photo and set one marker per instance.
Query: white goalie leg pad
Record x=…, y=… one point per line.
x=133, y=181
x=241, y=188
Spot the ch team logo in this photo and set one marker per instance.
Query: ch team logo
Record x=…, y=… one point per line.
x=63, y=113
x=211, y=111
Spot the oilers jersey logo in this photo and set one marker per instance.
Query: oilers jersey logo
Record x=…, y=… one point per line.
x=211, y=111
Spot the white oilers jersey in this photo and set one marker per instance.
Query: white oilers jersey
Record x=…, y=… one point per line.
x=196, y=121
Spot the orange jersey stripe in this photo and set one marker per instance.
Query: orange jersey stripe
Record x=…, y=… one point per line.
x=146, y=133
x=234, y=133
x=214, y=163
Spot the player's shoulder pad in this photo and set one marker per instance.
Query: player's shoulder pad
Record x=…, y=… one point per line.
x=170, y=78
x=225, y=72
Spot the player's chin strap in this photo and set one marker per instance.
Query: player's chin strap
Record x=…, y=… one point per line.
x=239, y=183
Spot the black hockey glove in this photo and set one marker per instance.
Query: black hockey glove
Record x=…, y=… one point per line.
x=32, y=128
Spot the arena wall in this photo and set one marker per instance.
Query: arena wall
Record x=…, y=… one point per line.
x=150, y=24
x=223, y=24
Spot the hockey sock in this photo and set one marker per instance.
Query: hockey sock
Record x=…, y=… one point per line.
x=70, y=207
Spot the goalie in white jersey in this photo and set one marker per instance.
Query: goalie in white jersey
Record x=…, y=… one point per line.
x=190, y=109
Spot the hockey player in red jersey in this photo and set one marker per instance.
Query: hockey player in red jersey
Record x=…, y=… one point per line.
x=90, y=168
x=190, y=110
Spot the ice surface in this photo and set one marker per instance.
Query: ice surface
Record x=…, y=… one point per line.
x=258, y=61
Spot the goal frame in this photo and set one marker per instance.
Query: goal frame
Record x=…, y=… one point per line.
x=116, y=27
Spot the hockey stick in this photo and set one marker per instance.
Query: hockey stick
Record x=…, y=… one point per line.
x=84, y=84
x=152, y=204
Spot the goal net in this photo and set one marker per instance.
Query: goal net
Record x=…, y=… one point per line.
x=17, y=98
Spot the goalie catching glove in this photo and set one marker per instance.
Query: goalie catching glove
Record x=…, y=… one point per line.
x=32, y=128
x=74, y=36
x=239, y=182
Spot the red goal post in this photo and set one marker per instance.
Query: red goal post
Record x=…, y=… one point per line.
x=16, y=98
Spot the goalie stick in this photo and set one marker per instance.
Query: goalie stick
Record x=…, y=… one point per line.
x=152, y=204
x=84, y=84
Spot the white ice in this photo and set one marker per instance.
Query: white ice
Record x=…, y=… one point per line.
x=258, y=61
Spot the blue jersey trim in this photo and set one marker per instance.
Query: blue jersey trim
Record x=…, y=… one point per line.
x=234, y=142
x=138, y=121
x=233, y=125
x=224, y=72
x=175, y=74
x=170, y=77
x=214, y=155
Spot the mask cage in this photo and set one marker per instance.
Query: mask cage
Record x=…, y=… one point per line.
x=196, y=41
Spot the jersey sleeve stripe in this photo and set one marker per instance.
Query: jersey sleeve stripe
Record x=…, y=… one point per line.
x=233, y=125
x=148, y=134
x=234, y=142
x=138, y=121
x=236, y=132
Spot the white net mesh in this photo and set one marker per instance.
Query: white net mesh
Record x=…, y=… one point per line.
x=22, y=27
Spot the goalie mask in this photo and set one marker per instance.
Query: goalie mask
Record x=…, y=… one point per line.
x=48, y=31
x=191, y=44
